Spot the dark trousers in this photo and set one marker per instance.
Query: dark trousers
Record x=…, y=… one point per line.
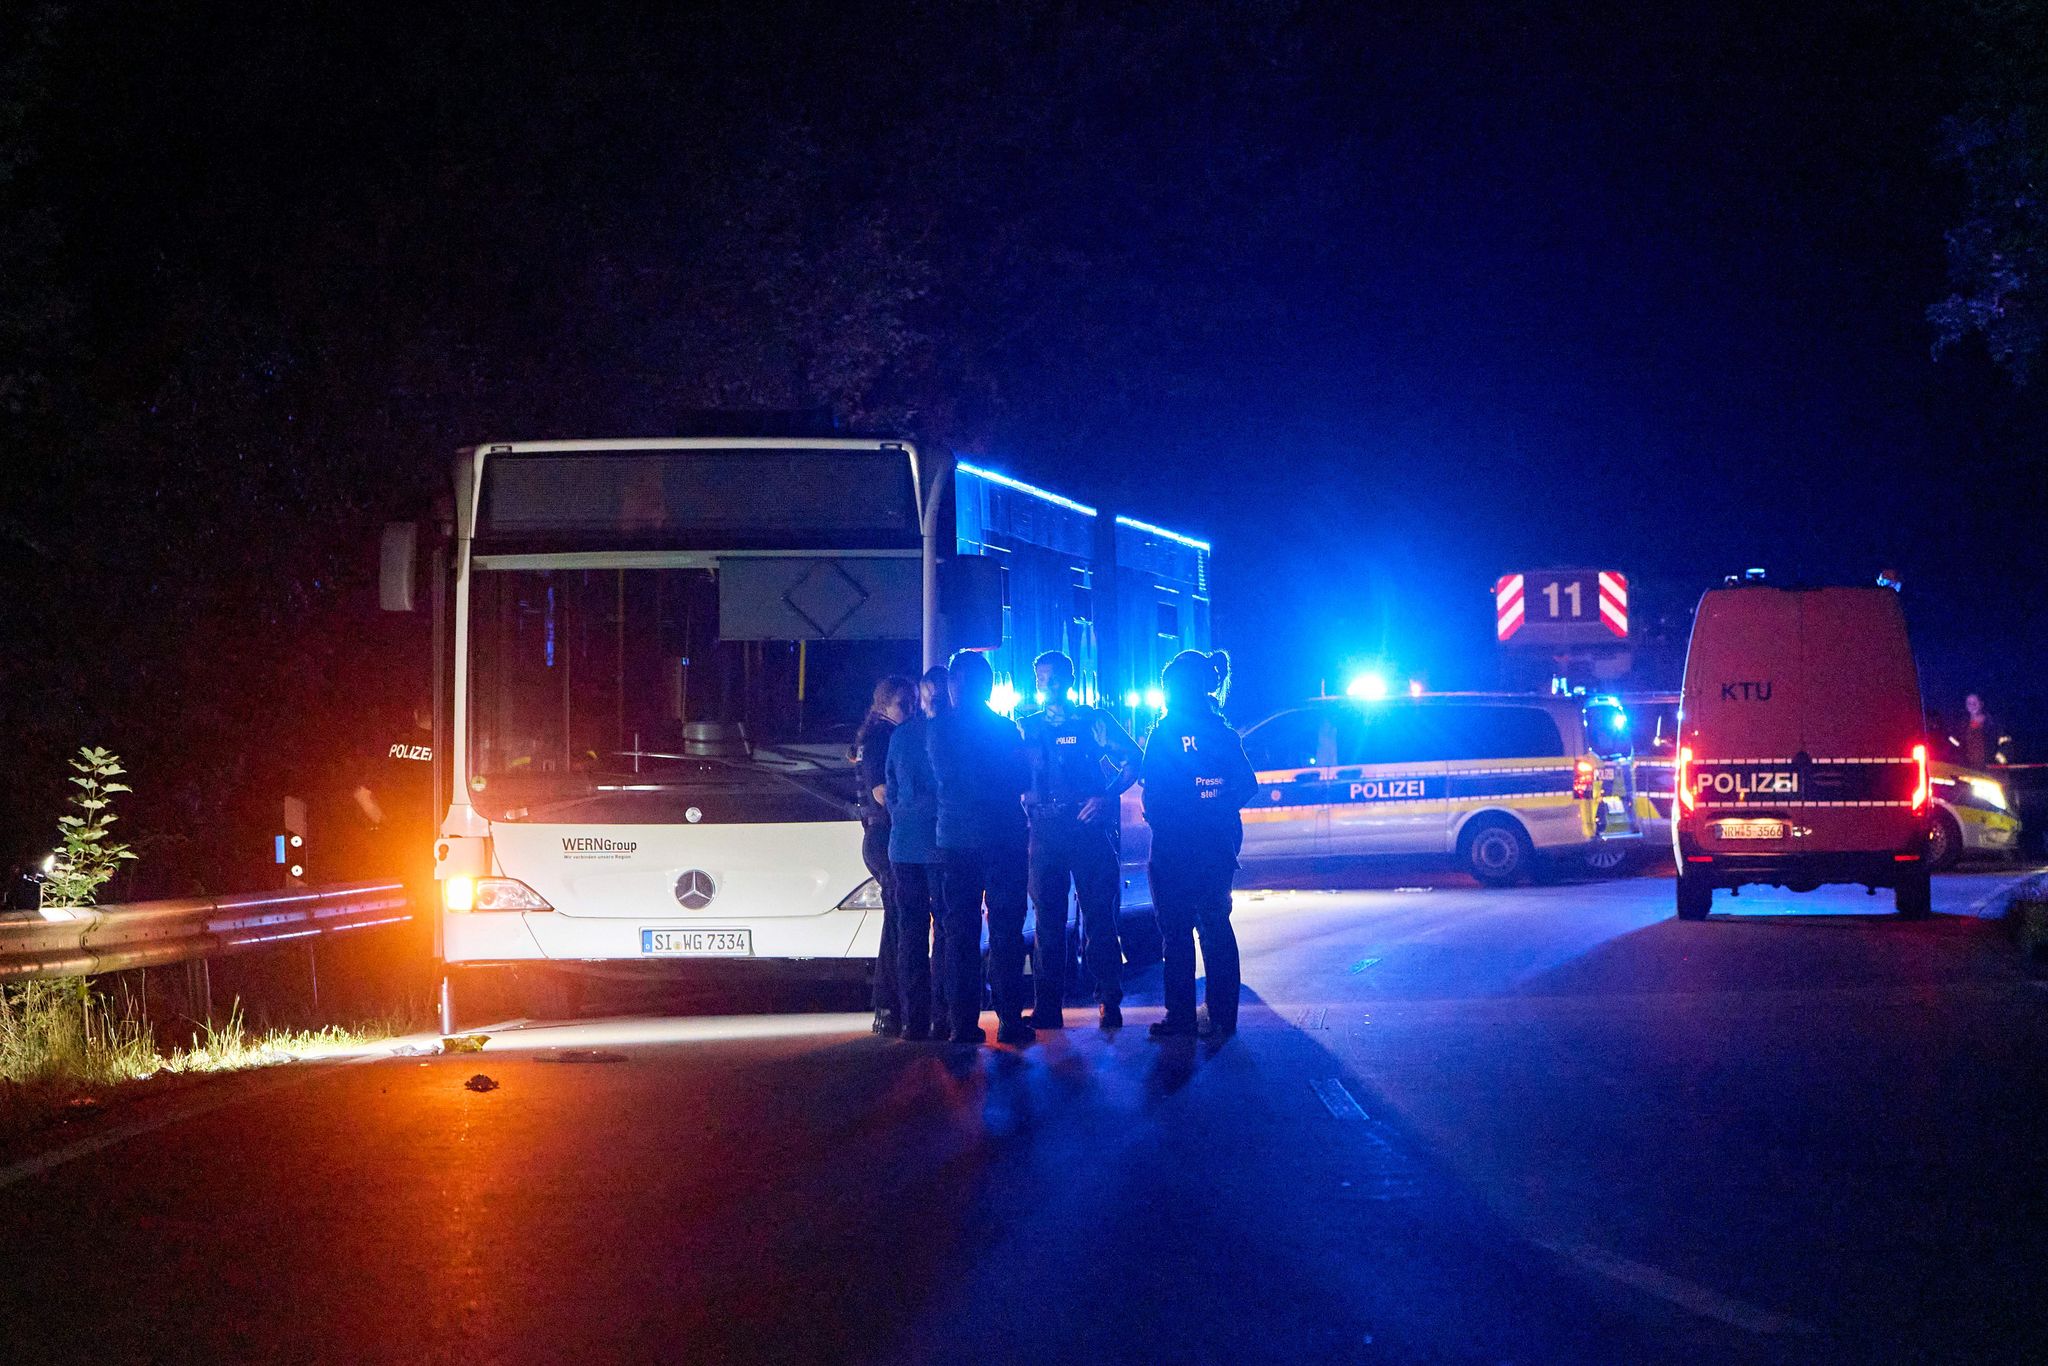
x=998, y=875
x=1191, y=893
x=874, y=852
x=1066, y=852
x=918, y=913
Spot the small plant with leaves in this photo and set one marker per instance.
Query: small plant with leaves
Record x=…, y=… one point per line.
x=88, y=855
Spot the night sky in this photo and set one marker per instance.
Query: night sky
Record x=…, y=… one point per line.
x=1383, y=304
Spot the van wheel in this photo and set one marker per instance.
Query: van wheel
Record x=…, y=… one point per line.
x=1497, y=850
x=1695, y=896
x=1944, y=842
x=1914, y=896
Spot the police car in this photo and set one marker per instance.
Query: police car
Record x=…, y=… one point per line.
x=1499, y=780
x=1972, y=816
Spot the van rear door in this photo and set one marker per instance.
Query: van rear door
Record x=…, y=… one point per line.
x=1862, y=722
x=1744, y=679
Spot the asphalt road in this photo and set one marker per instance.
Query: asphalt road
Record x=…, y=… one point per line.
x=1545, y=1125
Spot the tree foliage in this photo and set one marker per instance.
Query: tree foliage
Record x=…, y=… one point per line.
x=325, y=254
x=1998, y=254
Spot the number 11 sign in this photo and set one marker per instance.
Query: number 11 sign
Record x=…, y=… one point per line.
x=1553, y=607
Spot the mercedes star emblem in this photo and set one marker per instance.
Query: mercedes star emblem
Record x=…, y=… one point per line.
x=694, y=889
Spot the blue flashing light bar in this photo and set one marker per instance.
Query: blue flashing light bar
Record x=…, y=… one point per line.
x=1151, y=530
x=1036, y=492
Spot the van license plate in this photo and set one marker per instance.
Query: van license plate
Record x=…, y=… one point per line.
x=698, y=943
x=1751, y=830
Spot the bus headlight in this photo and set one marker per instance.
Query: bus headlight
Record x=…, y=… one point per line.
x=491, y=894
x=866, y=897
x=1989, y=793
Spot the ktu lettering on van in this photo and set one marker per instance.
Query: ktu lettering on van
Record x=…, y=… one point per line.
x=1746, y=692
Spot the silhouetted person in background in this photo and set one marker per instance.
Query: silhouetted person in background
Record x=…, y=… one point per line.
x=1197, y=779
x=1072, y=806
x=895, y=698
x=978, y=759
x=913, y=796
x=1979, y=745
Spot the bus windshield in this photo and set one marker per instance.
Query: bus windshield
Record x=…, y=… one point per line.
x=582, y=682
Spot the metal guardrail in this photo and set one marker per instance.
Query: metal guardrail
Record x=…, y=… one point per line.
x=147, y=934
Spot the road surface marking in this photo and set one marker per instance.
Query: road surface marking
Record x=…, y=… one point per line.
x=2004, y=891
x=1687, y=1295
x=1342, y=1104
x=1362, y=964
x=1315, y=1017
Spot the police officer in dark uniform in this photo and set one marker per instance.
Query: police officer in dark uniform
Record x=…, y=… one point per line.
x=1072, y=806
x=978, y=762
x=1197, y=779
x=392, y=792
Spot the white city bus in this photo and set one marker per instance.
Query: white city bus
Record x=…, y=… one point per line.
x=653, y=654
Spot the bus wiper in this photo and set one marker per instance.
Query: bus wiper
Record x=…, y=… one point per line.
x=781, y=776
x=634, y=784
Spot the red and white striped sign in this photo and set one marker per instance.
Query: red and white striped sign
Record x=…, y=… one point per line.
x=1613, y=603
x=1507, y=605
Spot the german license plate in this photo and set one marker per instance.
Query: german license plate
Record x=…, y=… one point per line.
x=1751, y=830
x=697, y=943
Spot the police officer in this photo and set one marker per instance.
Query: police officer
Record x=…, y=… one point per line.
x=1072, y=808
x=895, y=697
x=978, y=760
x=392, y=792
x=913, y=799
x=1196, y=781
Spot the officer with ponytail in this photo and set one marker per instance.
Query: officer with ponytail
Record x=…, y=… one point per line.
x=1196, y=779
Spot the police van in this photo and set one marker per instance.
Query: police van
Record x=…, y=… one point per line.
x=1500, y=780
x=1973, y=812
x=1802, y=749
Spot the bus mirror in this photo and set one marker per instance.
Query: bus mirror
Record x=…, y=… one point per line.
x=398, y=567
x=971, y=601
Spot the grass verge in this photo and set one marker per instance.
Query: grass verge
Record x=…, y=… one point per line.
x=66, y=1050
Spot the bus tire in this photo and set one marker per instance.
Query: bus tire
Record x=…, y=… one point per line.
x=1913, y=895
x=1944, y=842
x=1497, y=851
x=1695, y=896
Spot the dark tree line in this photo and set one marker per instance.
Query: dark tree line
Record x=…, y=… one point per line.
x=1998, y=252
x=263, y=273
x=262, y=268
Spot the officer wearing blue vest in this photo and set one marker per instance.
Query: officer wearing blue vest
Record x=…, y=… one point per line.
x=1081, y=762
x=1196, y=781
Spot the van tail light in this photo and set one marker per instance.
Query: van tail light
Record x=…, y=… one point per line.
x=1582, y=779
x=1920, y=788
x=1682, y=779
